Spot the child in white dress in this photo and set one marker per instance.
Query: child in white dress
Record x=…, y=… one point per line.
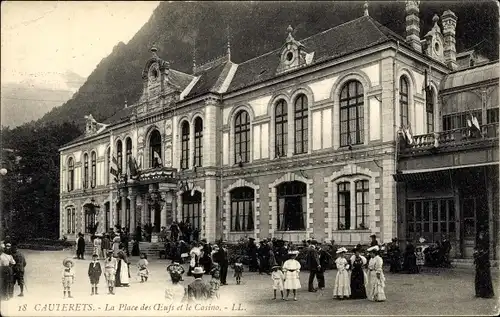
x=277, y=276
x=342, y=286
x=292, y=270
x=376, y=279
x=142, y=265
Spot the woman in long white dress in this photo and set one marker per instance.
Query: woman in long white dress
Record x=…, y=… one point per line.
x=376, y=279
x=342, y=287
x=98, y=247
x=116, y=246
x=292, y=278
x=122, y=272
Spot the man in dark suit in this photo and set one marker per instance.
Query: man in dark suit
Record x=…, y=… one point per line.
x=80, y=246
x=198, y=290
x=324, y=261
x=313, y=264
x=221, y=258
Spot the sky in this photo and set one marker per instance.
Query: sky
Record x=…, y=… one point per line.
x=46, y=43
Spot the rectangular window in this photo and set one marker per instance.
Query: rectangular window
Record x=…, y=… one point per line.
x=492, y=115
x=344, y=206
x=362, y=204
x=69, y=220
x=459, y=120
x=429, y=218
x=242, y=209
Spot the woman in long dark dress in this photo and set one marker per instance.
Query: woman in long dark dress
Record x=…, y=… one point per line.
x=358, y=275
x=483, y=283
x=410, y=259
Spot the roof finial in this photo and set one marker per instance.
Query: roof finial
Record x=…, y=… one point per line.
x=154, y=50
x=126, y=103
x=366, y=9
x=194, y=55
x=289, y=29
x=228, y=43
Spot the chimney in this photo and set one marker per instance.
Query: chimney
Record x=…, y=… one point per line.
x=413, y=25
x=449, y=20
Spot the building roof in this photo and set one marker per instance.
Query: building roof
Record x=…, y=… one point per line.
x=340, y=40
x=470, y=76
x=208, y=80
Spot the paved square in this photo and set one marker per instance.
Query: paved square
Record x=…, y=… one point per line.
x=435, y=292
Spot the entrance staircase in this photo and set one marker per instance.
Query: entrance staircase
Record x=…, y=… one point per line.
x=152, y=249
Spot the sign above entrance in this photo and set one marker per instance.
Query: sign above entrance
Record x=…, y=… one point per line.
x=164, y=173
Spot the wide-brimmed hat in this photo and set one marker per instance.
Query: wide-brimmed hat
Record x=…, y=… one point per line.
x=373, y=236
x=109, y=251
x=253, y=239
x=275, y=266
x=8, y=245
x=341, y=250
x=375, y=248
x=184, y=255
x=204, y=240
x=95, y=255
x=421, y=240
x=357, y=248
x=68, y=260
x=294, y=252
x=198, y=270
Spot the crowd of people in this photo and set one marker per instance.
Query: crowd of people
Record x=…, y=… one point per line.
x=358, y=276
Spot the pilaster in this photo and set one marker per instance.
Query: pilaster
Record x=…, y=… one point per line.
x=389, y=211
x=210, y=134
x=133, y=213
x=210, y=210
x=123, y=213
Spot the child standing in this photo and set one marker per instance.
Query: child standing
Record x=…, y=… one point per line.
x=68, y=276
x=215, y=283
x=94, y=273
x=238, y=271
x=110, y=266
x=143, y=267
x=277, y=276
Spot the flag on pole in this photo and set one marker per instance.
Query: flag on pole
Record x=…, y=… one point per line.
x=408, y=137
x=113, y=168
x=473, y=125
x=132, y=166
x=157, y=158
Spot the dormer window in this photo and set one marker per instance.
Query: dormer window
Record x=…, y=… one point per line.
x=292, y=54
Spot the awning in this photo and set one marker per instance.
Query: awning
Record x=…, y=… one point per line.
x=433, y=173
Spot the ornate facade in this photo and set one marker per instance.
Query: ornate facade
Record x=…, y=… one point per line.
x=297, y=143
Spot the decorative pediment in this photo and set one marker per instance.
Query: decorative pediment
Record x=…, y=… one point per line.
x=293, y=54
x=433, y=43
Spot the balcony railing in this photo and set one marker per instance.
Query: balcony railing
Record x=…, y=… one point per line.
x=454, y=137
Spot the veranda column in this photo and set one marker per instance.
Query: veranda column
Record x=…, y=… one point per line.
x=123, y=214
x=132, y=193
x=151, y=210
x=140, y=206
x=163, y=214
x=209, y=214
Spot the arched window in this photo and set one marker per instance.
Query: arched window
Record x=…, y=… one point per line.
x=71, y=174
x=191, y=209
x=281, y=128
x=128, y=151
x=301, y=125
x=185, y=145
x=429, y=110
x=85, y=170
x=292, y=206
x=119, y=156
x=93, y=171
x=198, y=142
x=155, y=149
x=108, y=162
x=351, y=114
x=403, y=102
x=242, y=209
x=242, y=137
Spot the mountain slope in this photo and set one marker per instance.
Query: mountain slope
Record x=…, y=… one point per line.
x=255, y=28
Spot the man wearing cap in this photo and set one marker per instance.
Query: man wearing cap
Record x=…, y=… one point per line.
x=221, y=257
x=18, y=270
x=198, y=290
x=313, y=264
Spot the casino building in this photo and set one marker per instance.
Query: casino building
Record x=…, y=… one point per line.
x=351, y=132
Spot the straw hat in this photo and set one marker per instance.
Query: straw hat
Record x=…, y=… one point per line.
x=341, y=250
x=68, y=260
x=198, y=270
x=276, y=266
x=184, y=255
x=375, y=248
x=293, y=252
